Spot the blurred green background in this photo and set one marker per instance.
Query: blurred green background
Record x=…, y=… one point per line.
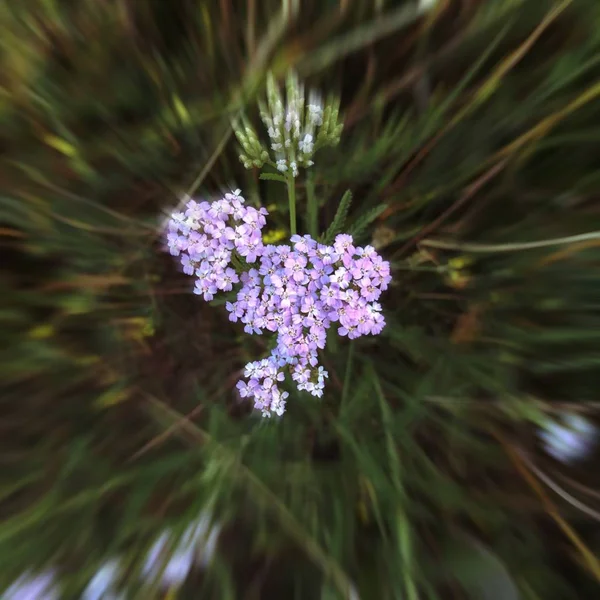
x=472, y=146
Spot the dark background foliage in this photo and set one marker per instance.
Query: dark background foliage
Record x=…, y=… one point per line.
x=471, y=131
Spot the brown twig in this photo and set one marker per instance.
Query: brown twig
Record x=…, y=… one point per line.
x=465, y=197
x=590, y=559
x=165, y=435
x=479, y=97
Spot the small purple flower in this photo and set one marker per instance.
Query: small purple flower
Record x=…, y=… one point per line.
x=227, y=279
x=361, y=268
x=267, y=268
x=303, y=244
x=188, y=266
x=295, y=267
x=330, y=296
x=220, y=210
x=341, y=277
x=328, y=255
x=316, y=339
x=368, y=290
x=238, y=236
x=251, y=250
x=367, y=252
x=344, y=244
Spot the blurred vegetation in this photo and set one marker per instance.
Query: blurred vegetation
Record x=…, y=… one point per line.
x=471, y=132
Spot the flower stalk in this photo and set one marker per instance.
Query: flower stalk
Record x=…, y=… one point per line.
x=291, y=189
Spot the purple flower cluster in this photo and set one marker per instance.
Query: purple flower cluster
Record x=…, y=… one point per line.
x=298, y=292
x=295, y=291
x=207, y=234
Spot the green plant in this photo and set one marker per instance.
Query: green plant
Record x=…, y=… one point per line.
x=470, y=139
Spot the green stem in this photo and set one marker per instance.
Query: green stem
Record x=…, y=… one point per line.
x=332, y=344
x=291, y=188
x=312, y=208
x=237, y=263
x=406, y=267
x=474, y=247
x=347, y=375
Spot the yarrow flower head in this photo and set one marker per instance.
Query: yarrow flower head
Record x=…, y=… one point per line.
x=296, y=128
x=297, y=291
x=206, y=235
